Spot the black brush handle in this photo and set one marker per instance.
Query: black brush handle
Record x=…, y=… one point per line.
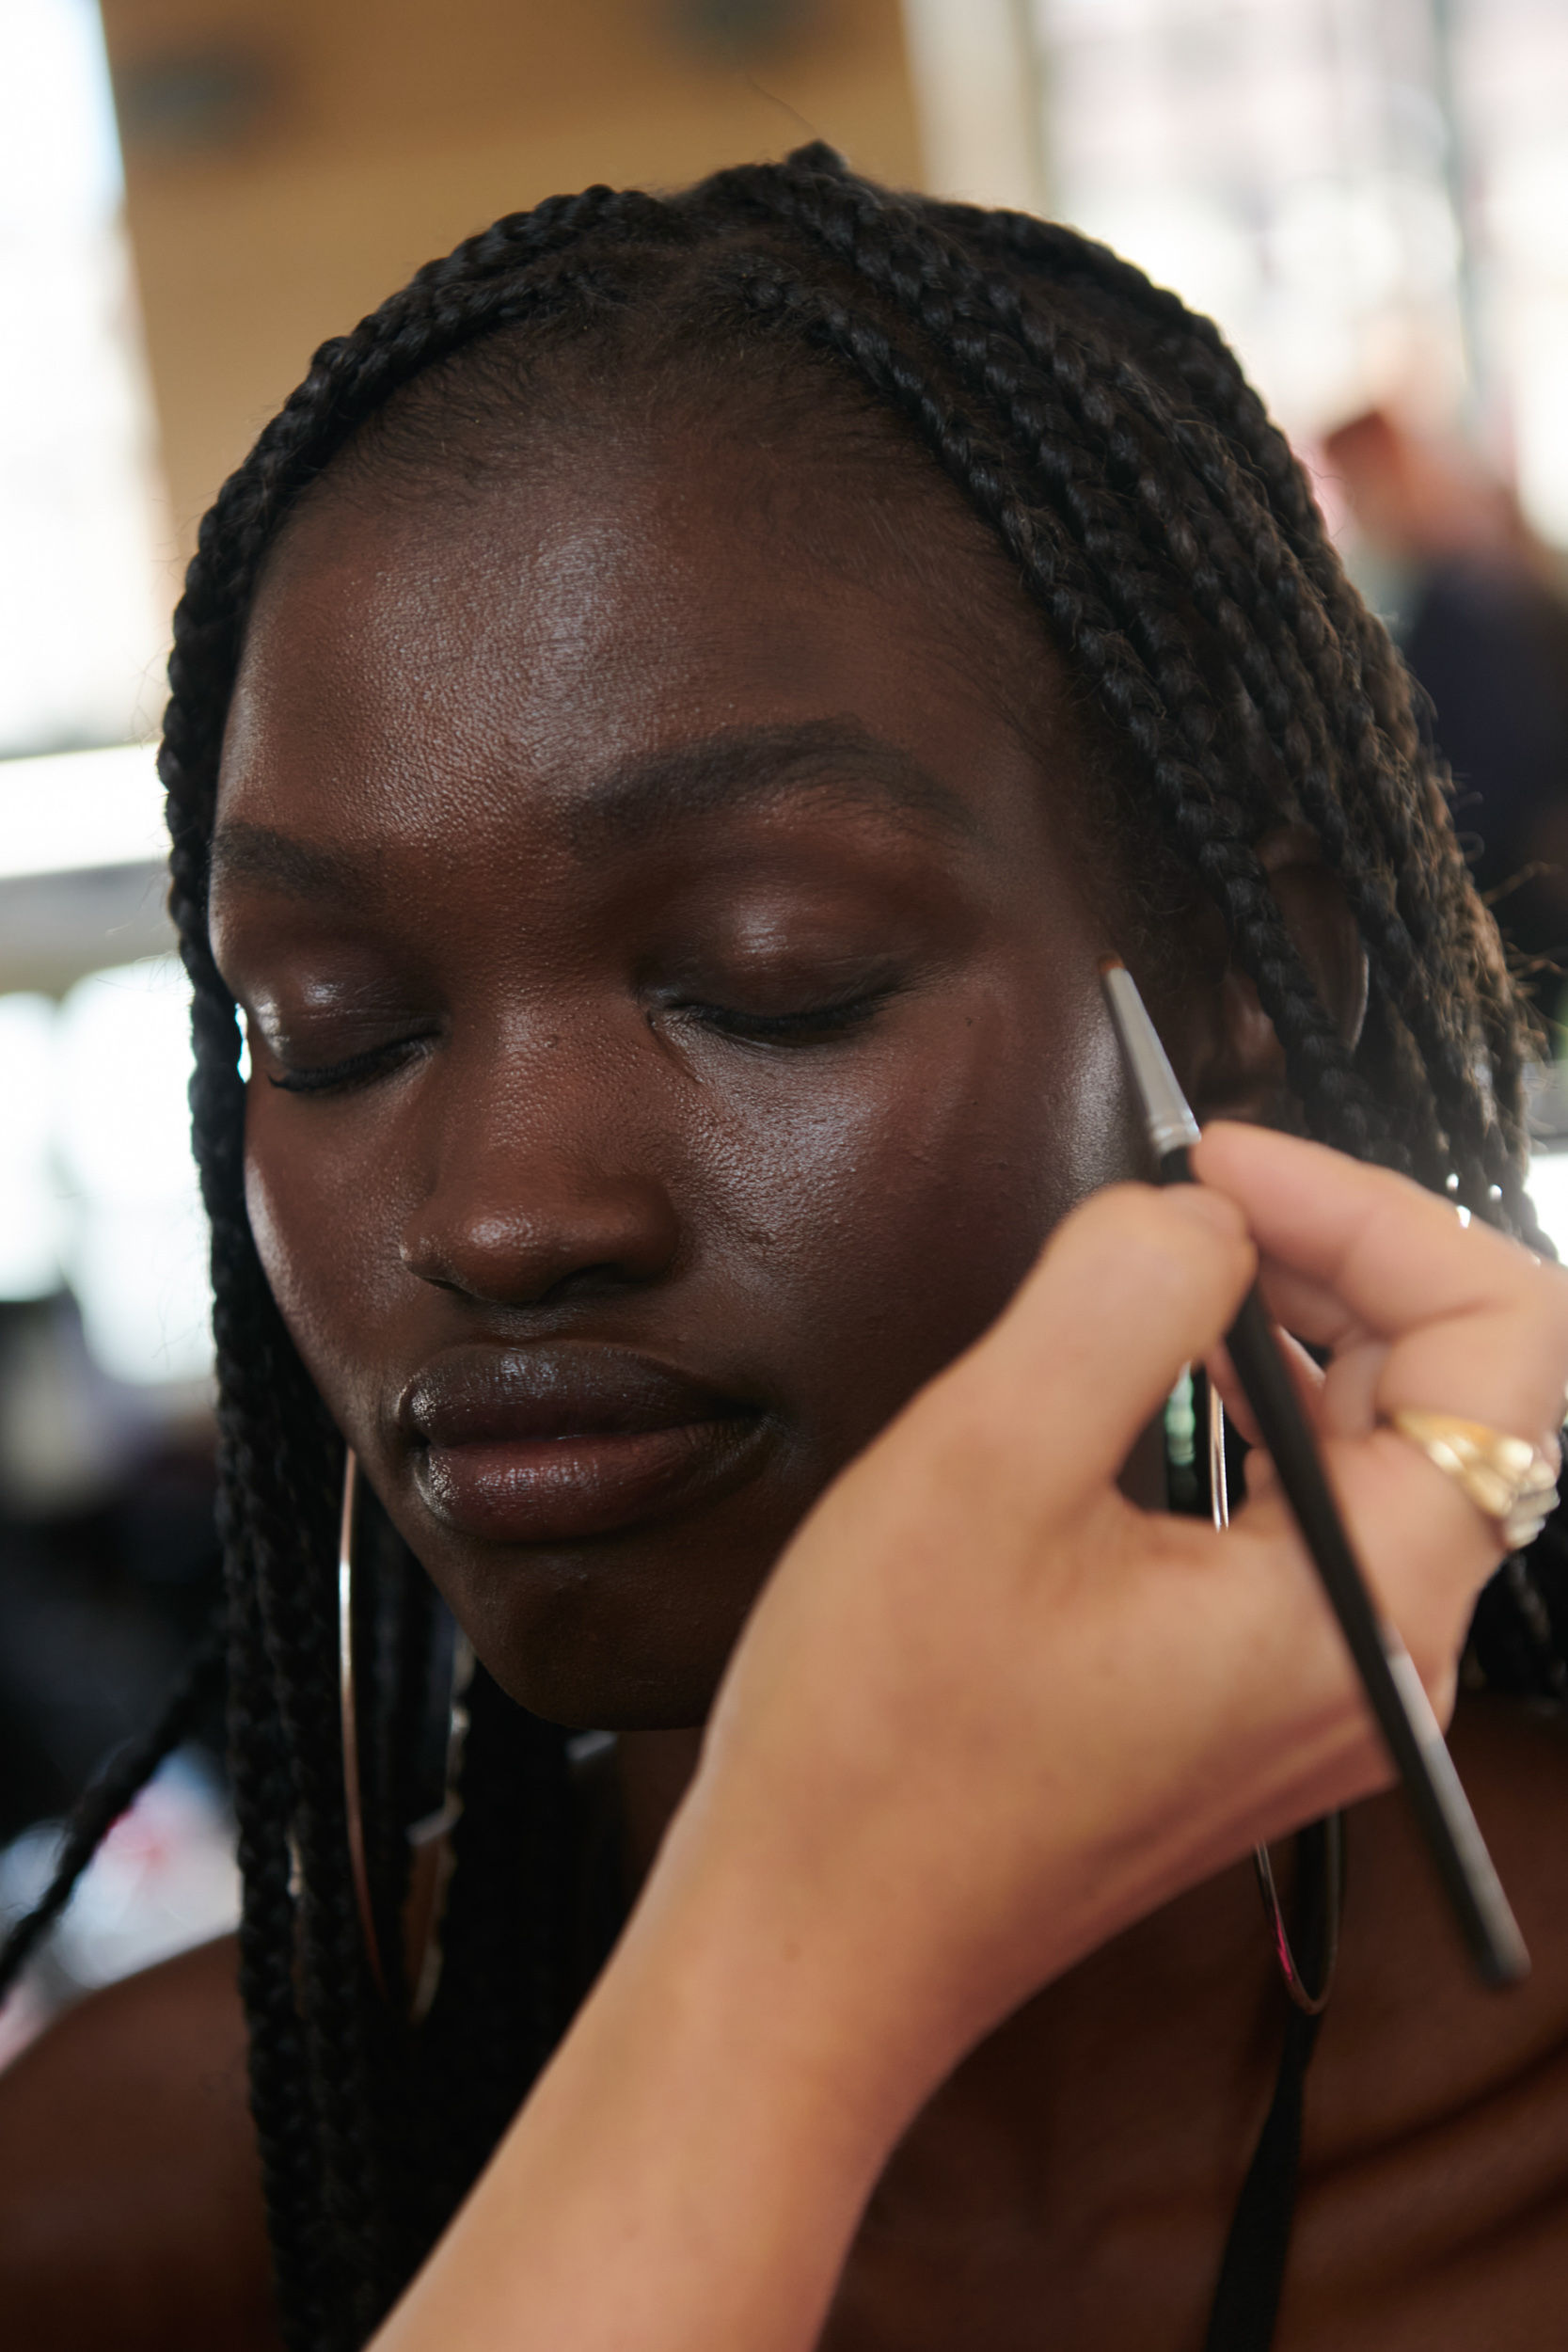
x=1393, y=1688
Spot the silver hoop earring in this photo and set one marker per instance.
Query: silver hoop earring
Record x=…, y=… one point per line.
x=429, y=1838
x=1328, y=1834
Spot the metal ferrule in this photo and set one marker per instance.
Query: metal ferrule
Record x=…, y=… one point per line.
x=1167, y=1114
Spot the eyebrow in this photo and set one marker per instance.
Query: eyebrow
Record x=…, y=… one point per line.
x=837, y=757
x=299, y=869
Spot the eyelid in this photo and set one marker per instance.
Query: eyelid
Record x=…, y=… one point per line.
x=832, y=1016
x=356, y=1069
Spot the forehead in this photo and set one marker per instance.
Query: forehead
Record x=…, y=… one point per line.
x=425, y=664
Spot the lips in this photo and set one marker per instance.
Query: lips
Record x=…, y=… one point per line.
x=551, y=1443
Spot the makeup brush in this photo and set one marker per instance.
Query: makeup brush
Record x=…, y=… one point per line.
x=1393, y=1688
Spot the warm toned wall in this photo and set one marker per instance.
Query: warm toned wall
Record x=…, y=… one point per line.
x=386, y=130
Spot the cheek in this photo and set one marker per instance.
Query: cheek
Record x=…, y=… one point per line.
x=883, y=1225
x=322, y=1223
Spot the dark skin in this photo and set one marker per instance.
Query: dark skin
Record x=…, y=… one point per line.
x=769, y=943
x=770, y=1069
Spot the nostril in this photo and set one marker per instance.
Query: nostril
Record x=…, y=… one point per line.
x=590, y=1281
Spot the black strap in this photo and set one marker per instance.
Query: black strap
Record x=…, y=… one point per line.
x=1246, y=2301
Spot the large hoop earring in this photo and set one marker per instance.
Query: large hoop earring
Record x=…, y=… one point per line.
x=429, y=1838
x=1321, y=1843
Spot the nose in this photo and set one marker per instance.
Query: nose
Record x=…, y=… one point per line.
x=536, y=1208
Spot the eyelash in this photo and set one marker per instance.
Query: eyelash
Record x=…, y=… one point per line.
x=755, y=1028
x=785, y=1029
x=340, y=1077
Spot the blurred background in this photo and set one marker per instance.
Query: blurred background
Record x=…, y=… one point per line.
x=1371, y=195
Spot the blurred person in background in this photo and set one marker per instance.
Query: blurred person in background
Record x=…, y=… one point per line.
x=1482, y=621
x=664, y=726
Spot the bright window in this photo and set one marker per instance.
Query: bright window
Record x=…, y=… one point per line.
x=82, y=622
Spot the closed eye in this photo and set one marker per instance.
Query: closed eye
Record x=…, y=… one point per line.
x=340, y=1077
x=806, y=1026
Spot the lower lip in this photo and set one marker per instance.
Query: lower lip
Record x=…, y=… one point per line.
x=548, y=1490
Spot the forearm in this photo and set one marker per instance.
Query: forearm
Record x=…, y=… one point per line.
x=690, y=2170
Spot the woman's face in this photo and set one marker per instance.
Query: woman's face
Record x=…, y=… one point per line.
x=674, y=1015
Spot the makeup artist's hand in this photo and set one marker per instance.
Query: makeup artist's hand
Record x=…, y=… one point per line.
x=1004, y=1711
x=986, y=1713
x=1370, y=1289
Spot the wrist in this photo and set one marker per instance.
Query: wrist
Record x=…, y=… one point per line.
x=804, y=1918
x=757, y=1956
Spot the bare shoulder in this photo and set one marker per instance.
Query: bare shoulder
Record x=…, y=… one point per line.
x=1436, y=2159
x=130, y=2197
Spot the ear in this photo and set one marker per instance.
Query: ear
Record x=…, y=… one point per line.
x=1236, y=1063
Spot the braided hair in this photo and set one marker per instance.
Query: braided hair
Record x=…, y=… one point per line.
x=1159, y=522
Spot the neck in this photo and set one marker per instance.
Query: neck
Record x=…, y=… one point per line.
x=655, y=1769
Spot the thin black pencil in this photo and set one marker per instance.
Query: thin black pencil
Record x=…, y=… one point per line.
x=1393, y=1688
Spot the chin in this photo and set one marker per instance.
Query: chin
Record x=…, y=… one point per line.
x=595, y=1647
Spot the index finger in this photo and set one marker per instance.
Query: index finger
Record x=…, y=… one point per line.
x=1492, y=1321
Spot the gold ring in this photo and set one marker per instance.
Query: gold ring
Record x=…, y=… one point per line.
x=1507, y=1478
